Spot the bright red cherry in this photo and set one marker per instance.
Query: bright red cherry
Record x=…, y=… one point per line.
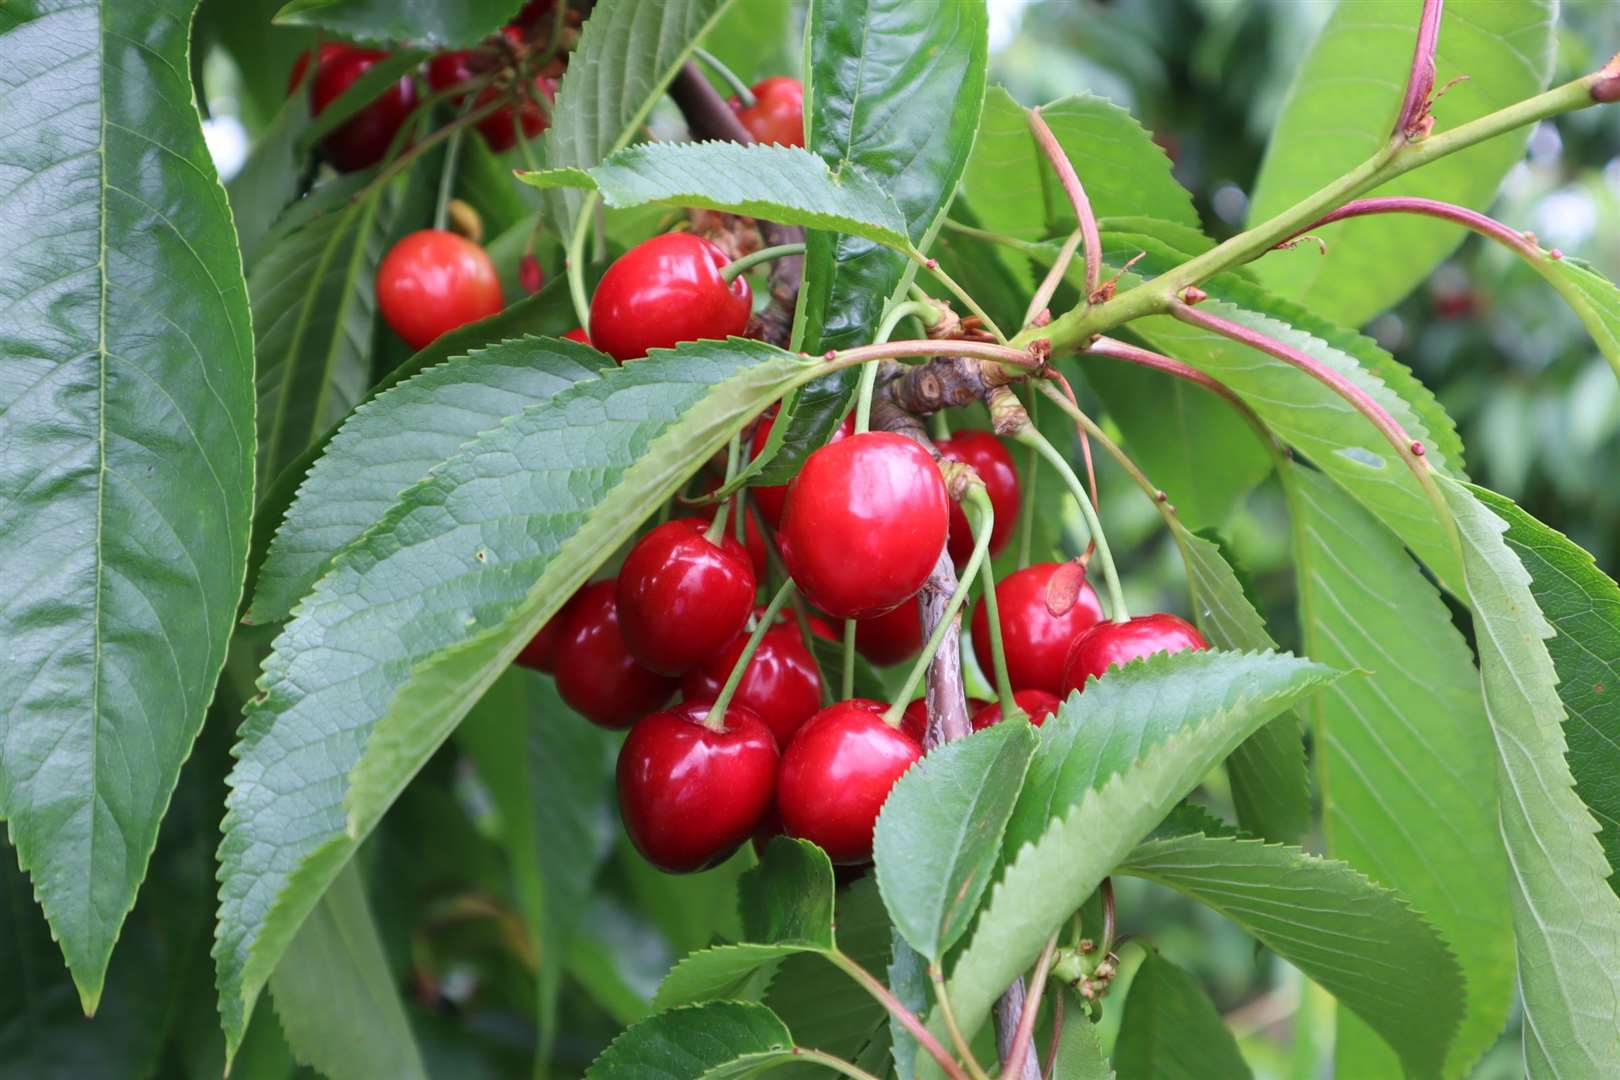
x=777, y=115
x=1037, y=703
x=596, y=675
x=664, y=291
x=433, y=281
x=1109, y=644
x=689, y=795
x=541, y=651
x=865, y=521
x=682, y=598
x=770, y=500
x=914, y=721
x=1036, y=641
x=362, y=140
x=836, y=774
x=893, y=637
x=990, y=459
x=780, y=685
x=578, y=334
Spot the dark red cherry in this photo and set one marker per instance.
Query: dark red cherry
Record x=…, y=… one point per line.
x=770, y=500
x=681, y=598
x=837, y=772
x=1110, y=644
x=777, y=115
x=1036, y=641
x=434, y=281
x=363, y=139
x=994, y=465
x=596, y=675
x=914, y=721
x=893, y=637
x=541, y=651
x=530, y=274
x=664, y=291
x=1037, y=703
x=500, y=128
x=690, y=796
x=329, y=51
x=448, y=69
x=865, y=521
x=780, y=685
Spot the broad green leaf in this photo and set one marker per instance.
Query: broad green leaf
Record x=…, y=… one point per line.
x=1400, y=977
x=1113, y=762
x=413, y=622
x=314, y=303
x=438, y=23
x=893, y=89
x=628, y=52
x=336, y=997
x=788, y=898
x=722, y=973
x=1403, y=760
x=1341, y=111
x=1566, y=919
x=551, y=781
x=1594, y=298
x=693, y=1042
x=939, y=835
x=393, y=440
x=270, y=179
x=1583, y=606
x=1171, y=1030
x=126, y=448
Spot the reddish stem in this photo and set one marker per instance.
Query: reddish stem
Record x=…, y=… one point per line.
x=1411, y=204
x=1032, y=1007
x=1412, y=122
x=1119, y=350
x=1077, y=198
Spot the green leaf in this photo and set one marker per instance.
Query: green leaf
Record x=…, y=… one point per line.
x=1171, y=1030
x=628, y=52
x=270, y=179
x=314, y=303
x=893, y=89
x=778, y=183
x=722, y=973
x=336, y=997
x=1566, y=919
x=1399, y=977
x=126, y=449
x=939, y=835
x=909, y=983
x=1113, y=762
x=393, y=440
x=788, y=898
x=1594, y=298
x=699, y=1041
x=414, y=621
x=830, y=655
x=1403, y=759
x=439, y=23
x=1079, y=1057
x=1340, y=112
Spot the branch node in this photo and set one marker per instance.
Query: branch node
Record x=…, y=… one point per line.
x=1192, y=294
x=1417, y=448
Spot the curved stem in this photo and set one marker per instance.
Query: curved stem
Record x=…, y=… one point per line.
x=927, y=313
x=998, y=652
x=739, y=266
x=1461, y=215
x=847, y=685
x=1026, y=509
x=574, y=263
x=716, y=720
x=907, y=1018
x=717, y=525
x=1029, y=247
x=933, y=267
x=982, y=517
x=1076, y=192
x=836, y=1064
x=963, y=1050
x=727, y=76
x=1119, y=350
x=863, y=397
x=1030, y=436
x=1032, y=1007
x=447, y=179
x=1022, y=360
x=1049, y=284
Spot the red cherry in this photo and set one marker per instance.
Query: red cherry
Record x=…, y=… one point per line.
x=331, y=50
x=770, y=500
x=1110, y=644
x=500, y=130
x=664, y=291
x=363, y=139
x=448, y=69
x=893, y=637
x=578, y=334
x=1037, y=703
x=1036, y=641
x=541, y=651
x=914, y=721
x=865, y=521
x=994, y=465
x=681, y=597
x=433, y=281
x=690, y=796
x=777, y=115
x=836, y=773
x=823, y=629
x=596, y=675
x=530, y=276
x=780, y=685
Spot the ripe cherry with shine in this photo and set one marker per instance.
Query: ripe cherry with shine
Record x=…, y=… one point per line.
x=540, y=653
x=865, y=521
x=990, y=459
x=664, y=291
x=363, y=139
x=433, y=281
x=689, y=795
x=771, y=500
x=1110, y=644
x=836, y=774
x=780, y=684
x=1036, y=641
x=1037, y=703
x=682, y=598
x=777, y=115
x=596, y=675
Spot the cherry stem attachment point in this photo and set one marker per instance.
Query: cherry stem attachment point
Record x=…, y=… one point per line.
x=933, y=267
x=1076, y=191
x=897, y=1009
x=982, y=518
x=741, y=265
x=1031, y=436
x=927, y=313
x=744, y=94
x=716, y=720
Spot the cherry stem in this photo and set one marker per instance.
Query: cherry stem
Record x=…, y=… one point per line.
x=897, y=1009
x=1028, y=247
x=396, y=164
x=741, y=265
x=1076, y=191
x=998, y=652
x=933, y=267
x=1420, y=83
x=1106, y=891
x=1054, y=276
x=846, y=683
x=574, y=263
x=1119, y=350
x=982, y=518
x=927, y=314
x=1026, y=510
x=1054, y=1042
x=1031, y=436
x=717, y=525
x=744, y=94
x=1021, y=360
x=1032, y=1007
x=836, y=1064
x=1461, y=215
x=963, y=1050
x=452, y=155
x=716, y=720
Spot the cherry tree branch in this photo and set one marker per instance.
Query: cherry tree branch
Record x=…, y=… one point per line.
x=1411, y=204
x=1414, y=120
x=1076, y=192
